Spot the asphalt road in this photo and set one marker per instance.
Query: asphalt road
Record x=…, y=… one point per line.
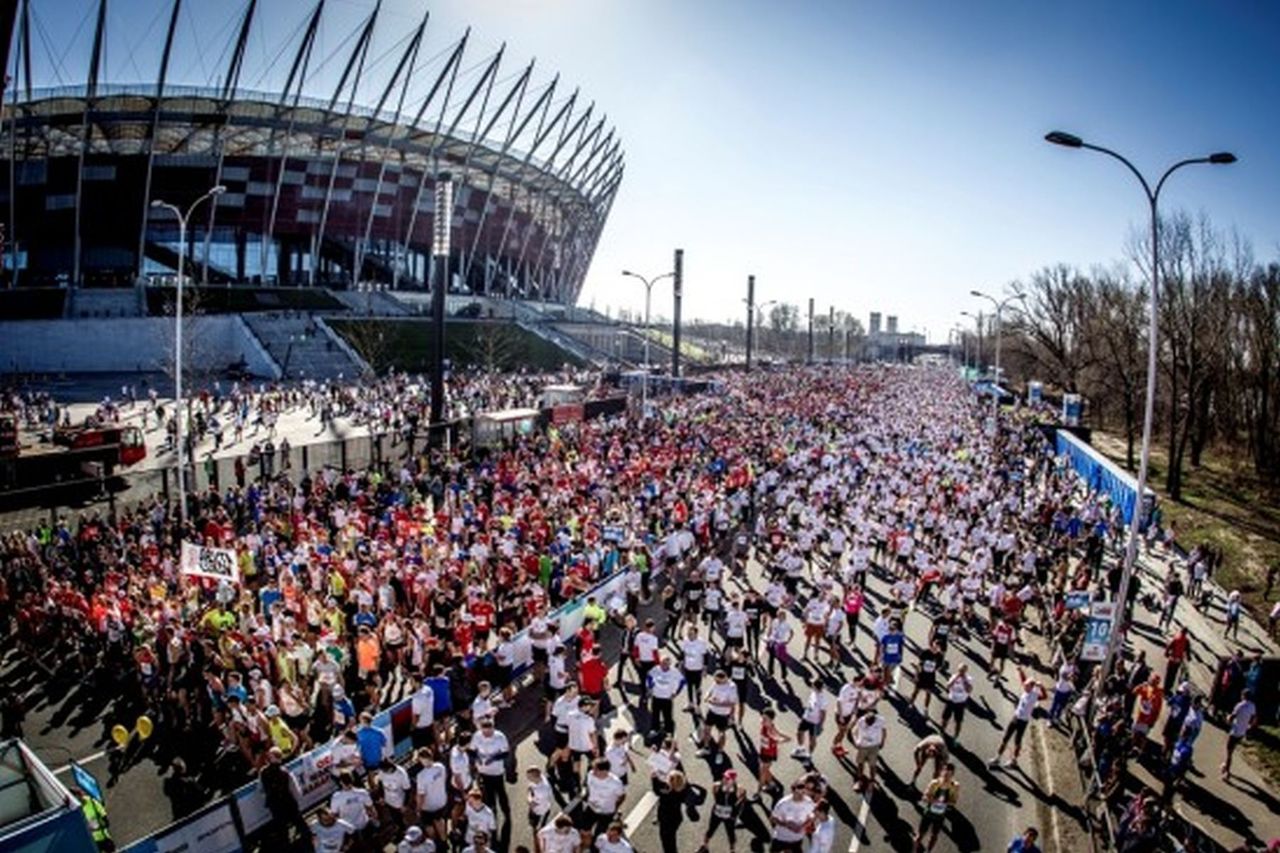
x=995, y=804
x=73, y=718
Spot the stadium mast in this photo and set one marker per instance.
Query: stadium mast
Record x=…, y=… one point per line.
x=406, y=67
x=90, y=93
x=151, y=138
x=449, y=70
x=359, y=54
x=298, y=73
x=230, y=84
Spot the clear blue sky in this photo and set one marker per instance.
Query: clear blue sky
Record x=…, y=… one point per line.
x=876, y=156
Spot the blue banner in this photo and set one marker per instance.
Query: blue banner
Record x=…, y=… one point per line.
x=86, y=781
x=1100, y=474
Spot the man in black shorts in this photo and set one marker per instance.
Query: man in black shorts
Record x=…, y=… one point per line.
x=722, y=702
x=926, y=674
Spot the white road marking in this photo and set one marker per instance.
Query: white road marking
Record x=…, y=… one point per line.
x=636, y=816
x=82, y=761
x=861, y=825
x=1049, y=787
x=621, y=719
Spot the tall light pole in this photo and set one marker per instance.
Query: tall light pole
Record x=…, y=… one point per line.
x=809, y=359
x=1000, y=306
x=831, y=334
x=442, y=220
x=1220, y=158
x=648, y=298
x=757, y=309
x=751, y=316
x=958, y=331
x=177, y=339
x=977, y=324
x=677, y=295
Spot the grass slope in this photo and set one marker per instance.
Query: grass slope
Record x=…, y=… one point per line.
x=406, y=345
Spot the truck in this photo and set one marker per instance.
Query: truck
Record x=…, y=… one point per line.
x=85, y=455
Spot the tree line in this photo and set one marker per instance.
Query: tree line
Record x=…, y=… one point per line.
x=1218, y=353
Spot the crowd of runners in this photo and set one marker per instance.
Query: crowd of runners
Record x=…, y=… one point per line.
x=739, y=521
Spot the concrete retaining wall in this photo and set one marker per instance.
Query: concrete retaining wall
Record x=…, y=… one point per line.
x=125, y=344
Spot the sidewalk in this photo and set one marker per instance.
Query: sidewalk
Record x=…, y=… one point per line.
x=1242, y=809
x=295, y=424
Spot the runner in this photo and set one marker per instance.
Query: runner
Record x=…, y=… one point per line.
x=1032, y=694
x=940, y=798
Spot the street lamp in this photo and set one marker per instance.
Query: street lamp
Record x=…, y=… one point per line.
x=755, y=313
x=1221, y=158
x=177, y=337
x=648, y=295
x=442, y=221
x=1000, y=306
x=977, y=325
x=958, y=331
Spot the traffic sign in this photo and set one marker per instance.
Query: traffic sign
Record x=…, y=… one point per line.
x=1078, y=599
x=1097, y=631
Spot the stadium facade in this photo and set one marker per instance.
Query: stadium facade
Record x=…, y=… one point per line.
x=322, y=189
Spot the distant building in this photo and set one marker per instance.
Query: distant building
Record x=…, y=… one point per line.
x=889, y=344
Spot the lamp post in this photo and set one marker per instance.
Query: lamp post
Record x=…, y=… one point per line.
x=442, y=219
x=759, y=313
x=977, y=324
x=1000, y=306
x=958, y=331
x=648, y=297
x=751, y=316
x=177, y=338
x=1220, y=158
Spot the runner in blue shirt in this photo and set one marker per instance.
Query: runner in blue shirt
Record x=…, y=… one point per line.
x=1026, y=842
x=372, y=741
x=891, y=646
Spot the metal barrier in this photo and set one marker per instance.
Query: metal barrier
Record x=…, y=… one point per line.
x=1082, y=746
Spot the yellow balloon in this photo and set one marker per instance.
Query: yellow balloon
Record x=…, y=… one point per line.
x=144, y=727
x=119, y=734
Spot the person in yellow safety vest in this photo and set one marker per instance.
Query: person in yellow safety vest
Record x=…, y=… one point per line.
x=281, y=735
x=592, y=612
x=95, y=815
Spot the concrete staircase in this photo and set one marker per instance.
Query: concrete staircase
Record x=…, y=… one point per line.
x=305, y=347
x=377, y=303
x=105, y=302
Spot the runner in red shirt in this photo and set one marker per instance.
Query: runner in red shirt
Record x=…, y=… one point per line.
x=1150, y=702
x=482, y=612
x=592, y=676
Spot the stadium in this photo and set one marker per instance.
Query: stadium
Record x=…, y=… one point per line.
x=329, y=186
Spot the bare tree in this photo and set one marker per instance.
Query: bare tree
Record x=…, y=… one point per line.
x=1194, y=310
x=495, y=347
x=1117, y=343
x=372, y=338
x=784, y=319
x=1051, y=329
x=197, y=352
x=1256, y=367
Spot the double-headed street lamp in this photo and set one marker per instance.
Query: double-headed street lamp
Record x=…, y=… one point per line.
x=177, y=337
x=648, y=297
x=1000, y=306
x=1221, y=158
x=755, y=317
